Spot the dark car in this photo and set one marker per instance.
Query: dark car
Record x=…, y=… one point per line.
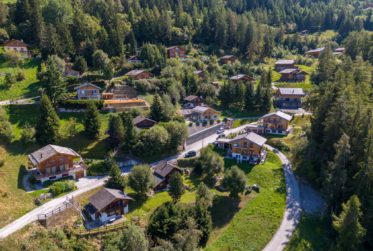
x=190, y=154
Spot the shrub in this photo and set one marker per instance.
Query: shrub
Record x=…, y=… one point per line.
x=80, y=104
x=28, y=134
x=2, y=162
x=20, y=76
x=186, y=162
x=9, y=79
x=279, y=144
x=97, y=168
x=60, y=187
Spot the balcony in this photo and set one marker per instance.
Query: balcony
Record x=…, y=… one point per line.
x=79, y=166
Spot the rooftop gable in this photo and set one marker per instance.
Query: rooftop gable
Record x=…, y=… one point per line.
x=49, y=151
x=279, y=114
x=105, y=196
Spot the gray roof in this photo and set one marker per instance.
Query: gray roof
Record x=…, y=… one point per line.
x=239, y=76
x=200, y=109
x=227, y=57
x=285, y=71
x=252, y=137
x=285, y=62
x=105, y=196
x=87, y=84
x=190, y=98
x=164, y=168
x=134, y=72
x=279, y=114
x=316, y=50
x=291, y=91
x=140, y=118
x=48, y=151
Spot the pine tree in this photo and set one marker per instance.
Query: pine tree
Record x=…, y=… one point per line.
x=336, y=173
x=47, y=127
x=347, y=224
x=116, y=130
x=52, y=78
x=249, y=97
x=176, y=186
x=92, y=121
x=156, y=109
x=130, y=133
x=115, y=181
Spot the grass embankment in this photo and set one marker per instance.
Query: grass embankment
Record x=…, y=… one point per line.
x=14, y=201
x=22, y=89
x=257, y=216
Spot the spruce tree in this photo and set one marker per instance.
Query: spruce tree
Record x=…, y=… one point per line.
x=249, y=97
x=176, y=186
x=92, y=121
x=130, y=133
x=115, y=181
x=116, y=130
x=347, y=224
x=156, y=109
x=47, y=127
x=52, y=78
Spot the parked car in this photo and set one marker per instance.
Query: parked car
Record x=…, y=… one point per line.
x=220, y=131
x=221, y=136
x=190, y=154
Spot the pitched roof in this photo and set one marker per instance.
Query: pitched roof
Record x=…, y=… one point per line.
x=279, y=114
x=291, y=91
x=286, y=71
x=15, y=43
x=202, y=109
x=316, y=50
x=285, y=61
x=164, y=168
x=134, y=72
x=140, y=118
x=227, y=57
x=252, y=137
x=87, y=84
x=105, y=196
x=175, y=46
x=241, y=76
x=48, y=151
x=190, y=98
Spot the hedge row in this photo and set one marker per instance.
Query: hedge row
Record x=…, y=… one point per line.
x=80, y=104
x=190, y=162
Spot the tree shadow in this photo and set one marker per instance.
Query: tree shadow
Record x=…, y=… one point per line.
x=279, y=174
x=223, y=210
x=138, y=202
x=22, y=171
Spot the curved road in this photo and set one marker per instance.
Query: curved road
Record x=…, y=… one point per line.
x=278, y=242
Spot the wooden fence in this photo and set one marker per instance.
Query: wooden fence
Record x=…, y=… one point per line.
x=104, y=229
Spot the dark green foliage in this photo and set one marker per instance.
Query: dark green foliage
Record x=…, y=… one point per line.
x=152, y=141
x=347, y=224
x=80, y=104
x=130, y=133
x=209, y=163
x=141, y=179
x=177, y=132
x=133, y=239
x=235, y=181
x=6, y=131
x=249, y=99
x=92, y=121
x=52, y=79
x=153, y=56
x=176, y=186
x=157, y=109
x=116, y=130
x=204, y=196
x=80, y=65
x=47, y=126
x=116, y=180
x=204, y=222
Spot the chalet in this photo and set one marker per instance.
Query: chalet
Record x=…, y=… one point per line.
x=70, y=72
x=284, y=64
x=124, y=104
x=176, y=52
x=293, y=75
x=139, y=74
x=88, y=91
x=134, y=60
x=199, y=73
x=289, y=98
x=107, y=204
x=162, y=173
x=17, y=46
x=192, y=101
x=227, y=59
x=241, y=78
x=202, y=113
x=55, y=162
x=339, y=51
x=316, y=52
x=246, y=147
x=276, y=123
x=143, y=123
x=120, y=92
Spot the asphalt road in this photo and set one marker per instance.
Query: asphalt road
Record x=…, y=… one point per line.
x=289, y=222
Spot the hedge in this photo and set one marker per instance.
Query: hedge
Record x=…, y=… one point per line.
x=190, y=162
x=60, y=187
x=80, y=104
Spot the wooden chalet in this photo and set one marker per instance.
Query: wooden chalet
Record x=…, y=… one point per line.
x=283, y=64
x=202, y=113
x=276, y=123
x=192, y=100
x=227, y=59
x=245, y=147
x=139, y=74
x=143, y=123
x=293, y=75
x=289, y=98
x=176, y=52
x=316, y=52
x=241, y=78
x=17, y=46
x=107, y=204
x=55, y=162
x=162, y=173
x=88, y=91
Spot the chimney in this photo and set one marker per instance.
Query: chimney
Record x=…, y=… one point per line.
x=41, y=155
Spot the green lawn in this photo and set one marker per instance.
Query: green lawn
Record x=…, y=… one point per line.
x=260, y=216
x=25, y=88
x=312, y=234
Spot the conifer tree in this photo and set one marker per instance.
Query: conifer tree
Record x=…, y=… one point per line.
x=47, y=127
x=347, y=224
x=52, y=78
x=130, y=133
x=116, y=130
x=176, y=189
x=116, y=180
x=249, y=97
x=92, y=121
x=156, y=109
